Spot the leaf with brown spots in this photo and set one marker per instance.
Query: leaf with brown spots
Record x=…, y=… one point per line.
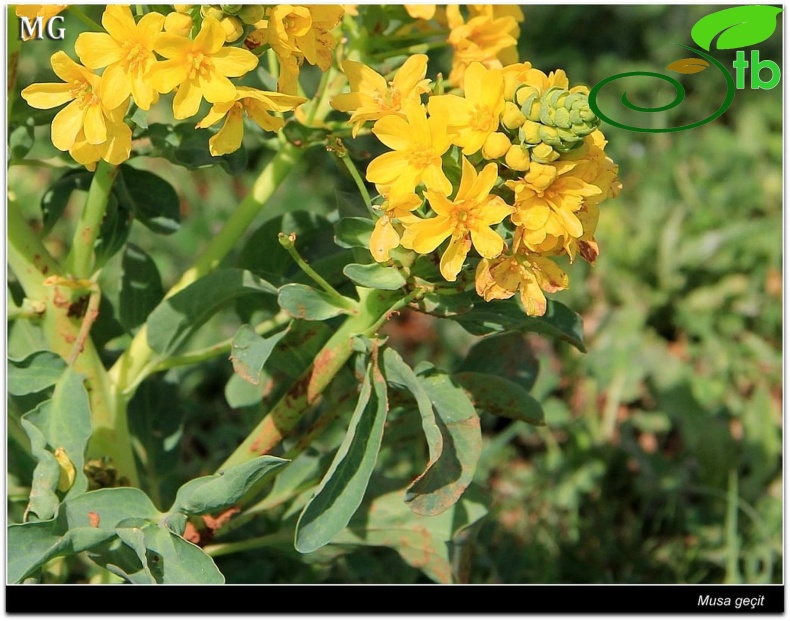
x=249, y=352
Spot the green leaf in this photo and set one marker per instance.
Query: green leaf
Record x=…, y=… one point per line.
x=186, y=146
x=298, y=348
x=114, y=230
x=507, y=355
x=32, y=545
x=176, y=318
x=343, y=487
x=56, y=198
x=353, y=232
x=505, y=315
x=431, y=544
x=501, y=397
x=172, y=560
x=401, y=375
x=739, y=26
x=441, y=485
x=250, y=351
x=38, y=371
x=263, y=255
x=303, y=302
x=108, y=507
x=375, y=276
x=141, y=287
x=62, y=422
x=20, y=139
x=151, y=199
x=219, y=491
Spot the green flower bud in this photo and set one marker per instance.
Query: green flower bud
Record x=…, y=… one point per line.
x=211, y=10
x=566, y=118
x=251, y=13
x=231, y=9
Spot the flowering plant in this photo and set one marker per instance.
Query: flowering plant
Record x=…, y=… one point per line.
x=481, y=185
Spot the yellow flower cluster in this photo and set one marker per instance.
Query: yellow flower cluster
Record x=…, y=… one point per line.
x=533, y=172
x=158, y=54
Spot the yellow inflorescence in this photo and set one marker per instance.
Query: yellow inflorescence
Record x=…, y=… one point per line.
x=187, y=52
x=533, y=168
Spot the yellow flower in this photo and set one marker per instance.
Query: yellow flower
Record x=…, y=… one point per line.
x=33, y=11
x=298, y=33
x=257, y=105
x=530, y=275
x=178, y=23
x=481, y=39
x=418, y=143
x=547, y=199
x=475, y=116
x=127, y=52
x=465, y=220
x=385, y=237
x=372, y=97
x=420, y=11
x=85, y=112
x=199, y=68
x=115, y=150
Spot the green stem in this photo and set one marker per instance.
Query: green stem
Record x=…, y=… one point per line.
x=287, y=242
x=79, y=263
x=374, y=308
x=363, y=190
x=279, y=320
x=221, y=549
x=32, y=265
x=136, y=362
x=80, y=15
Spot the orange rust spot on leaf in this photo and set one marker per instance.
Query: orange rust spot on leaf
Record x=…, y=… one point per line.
x=94, y=519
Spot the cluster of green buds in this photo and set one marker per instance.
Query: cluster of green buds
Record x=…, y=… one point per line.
x=233, y=17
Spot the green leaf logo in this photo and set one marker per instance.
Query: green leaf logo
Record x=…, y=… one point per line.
x=738, y=26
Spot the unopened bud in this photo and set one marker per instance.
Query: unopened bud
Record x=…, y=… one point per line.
x=178, y=24
x=512, y=117
x=251, y=13
x=517, y=158
x=495, y=146
x=232, y=28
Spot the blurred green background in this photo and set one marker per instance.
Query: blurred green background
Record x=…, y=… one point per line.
x=661, y=458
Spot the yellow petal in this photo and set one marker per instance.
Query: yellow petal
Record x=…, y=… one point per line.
x=453, y=258
x=164, y=76
x=434, y=179
x=47, y=95
x=383, y=239
x=532, y=298
x=234, y=61
x=211, y=37
x=216, y=114
x=172, y=45
x=394, y=132
x=114, y=87
x=268, y=122
x=187, y=99
x=95, y=127
x=97, y=49
x=386, y=168
x=228, y=138
x=548, y=275
x=119, y=144
x=66, y=125
x=149, y=26
x=488, y=243
x=65, y=68
x=216, y=88
x=409, y=75
x=363, y=79
x=118, y=21
x=426, y=235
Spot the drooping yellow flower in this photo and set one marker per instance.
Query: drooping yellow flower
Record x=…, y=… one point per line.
x=481, y=39
x=466, y=220
x=33, y=11
x=372, y=97
x=258, y=106
x=547, y=200
x=529, y=274
x=297, y=33
x=419, y=143
x=385, y=237
x=475, y=116
x=199, y=69
x=127, y=50
x=86, y=112
x=420, y=11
